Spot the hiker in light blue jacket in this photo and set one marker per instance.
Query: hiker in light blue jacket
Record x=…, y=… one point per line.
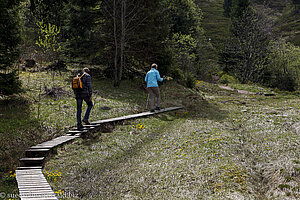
x=152, y=86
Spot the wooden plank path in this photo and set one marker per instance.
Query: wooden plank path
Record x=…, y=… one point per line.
x=134, y=116
x=32, y=184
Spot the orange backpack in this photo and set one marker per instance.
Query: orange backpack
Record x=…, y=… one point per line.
x=77, y=83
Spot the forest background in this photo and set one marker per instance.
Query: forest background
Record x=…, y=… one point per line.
x=239, y=41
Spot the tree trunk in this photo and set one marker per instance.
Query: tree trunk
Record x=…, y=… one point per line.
x=123, y=14
x=116, y=45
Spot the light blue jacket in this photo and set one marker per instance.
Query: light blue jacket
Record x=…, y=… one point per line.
x=152, y=77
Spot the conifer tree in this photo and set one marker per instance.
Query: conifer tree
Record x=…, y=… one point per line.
x=9, y=33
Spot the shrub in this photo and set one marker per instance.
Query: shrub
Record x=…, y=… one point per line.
x=226, y=79
x=190, y=80
x=282, y=72
x=177, y=74
x=9, y=84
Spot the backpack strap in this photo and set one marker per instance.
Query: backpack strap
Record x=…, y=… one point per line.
x=81, y=75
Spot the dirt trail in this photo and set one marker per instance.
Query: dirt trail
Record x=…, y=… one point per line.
x=239, y=91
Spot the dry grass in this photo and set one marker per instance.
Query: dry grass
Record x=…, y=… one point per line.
x=224, y=145
x=245, y=148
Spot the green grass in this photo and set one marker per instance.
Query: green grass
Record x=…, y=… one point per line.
x=223, y=145
x=32, y=117
x=242, y=149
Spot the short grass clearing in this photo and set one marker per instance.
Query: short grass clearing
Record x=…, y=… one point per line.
x=224, y=145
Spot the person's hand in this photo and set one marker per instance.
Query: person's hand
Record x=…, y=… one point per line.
x=90, y=98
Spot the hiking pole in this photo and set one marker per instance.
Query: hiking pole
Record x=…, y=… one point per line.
x=163, y=88
x=147, y=101
x=96, y=94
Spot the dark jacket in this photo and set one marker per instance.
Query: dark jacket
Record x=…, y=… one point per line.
x=87, y=86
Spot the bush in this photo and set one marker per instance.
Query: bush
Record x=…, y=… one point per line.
x=190, y=80
x=9, y=84
x=282, y=72
x=226, y=79
x=284, y=83
x=187, y=79
x=177, y=74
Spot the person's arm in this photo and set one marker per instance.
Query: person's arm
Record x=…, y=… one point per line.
x=158, y=77
x=89, y=85
x=146, y=78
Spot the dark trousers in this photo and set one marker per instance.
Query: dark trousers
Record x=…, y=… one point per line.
x=79, y=109
x=154, y=91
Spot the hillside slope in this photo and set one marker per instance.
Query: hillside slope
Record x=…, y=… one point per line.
x=216, y=25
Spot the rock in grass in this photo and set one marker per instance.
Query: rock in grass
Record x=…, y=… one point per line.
x=107, y=128
x=105, y=108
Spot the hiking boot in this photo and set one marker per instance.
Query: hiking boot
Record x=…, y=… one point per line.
x=86, y=122
x=80, y=127
x=157, y=108
x=152, y=110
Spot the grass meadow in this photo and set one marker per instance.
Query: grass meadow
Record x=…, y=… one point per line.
x=222, y=145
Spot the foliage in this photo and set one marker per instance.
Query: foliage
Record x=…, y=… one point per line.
x=283, y=69
x=49, y=35
x=246, y=51
x=186, y=18
x=190, y=80
x=186, y=38
x=226, y=79
x=53, y=176
x=296, y=3
x=9, y=33
x=238, y=8
x=183, y=48
x=11, y=177
x=227, y=7
x=49, y=11
x=10, y=84
x=78, y=25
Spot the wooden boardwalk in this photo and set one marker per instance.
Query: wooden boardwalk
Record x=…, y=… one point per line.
x=134, y=116
x=32, y=184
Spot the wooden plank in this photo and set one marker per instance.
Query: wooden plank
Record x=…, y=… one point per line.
x=28, y=171
x=28, y=168
x=30, y=175
x=46, y=198
x=33, y=185
x=41, y=147
x=53, y=143
x=32, y=180
x=73, y=132
x=138, y=115
x=45, y=192
x=28, y=187
x=38, y=197
x=35, y=189
x=37, y=152
x=32, y=161
x=23, y=177
x=92, y=125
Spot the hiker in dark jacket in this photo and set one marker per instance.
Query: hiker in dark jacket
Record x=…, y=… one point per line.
x=84, y=94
